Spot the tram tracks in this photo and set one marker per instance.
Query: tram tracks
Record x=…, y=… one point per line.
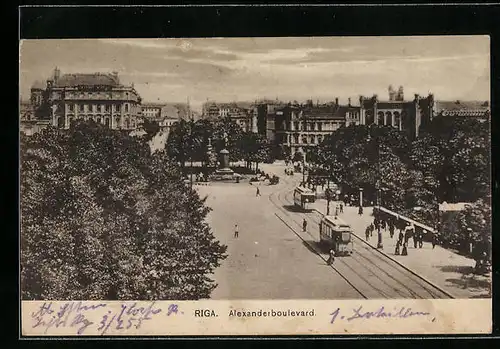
x=368, y=271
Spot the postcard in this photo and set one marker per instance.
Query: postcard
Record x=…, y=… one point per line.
x=255, y=186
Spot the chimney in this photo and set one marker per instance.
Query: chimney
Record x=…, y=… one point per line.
x=337, y=101
x=349, y=101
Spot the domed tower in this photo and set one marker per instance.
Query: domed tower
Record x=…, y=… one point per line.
x=392, y=93
x=401, y=95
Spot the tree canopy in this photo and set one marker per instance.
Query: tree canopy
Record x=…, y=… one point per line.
x=189, y=140
x=103, y=218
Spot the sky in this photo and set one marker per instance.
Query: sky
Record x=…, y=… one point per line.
x=291, y=68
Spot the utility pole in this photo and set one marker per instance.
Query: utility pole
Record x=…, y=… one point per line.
x=379, y=240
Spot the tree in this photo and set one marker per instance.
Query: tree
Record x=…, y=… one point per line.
x=227, y=127
x=254, y=148
x=455, y=152
x=151, y=127
x=103, y=218
x=477, y=218
x=367, y=157
x=298, y=156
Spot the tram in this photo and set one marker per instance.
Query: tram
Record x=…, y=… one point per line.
x=336, y=234
x=303, y=196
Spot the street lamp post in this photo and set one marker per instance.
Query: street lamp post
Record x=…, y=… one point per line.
x=361, y=200
x=304, y=169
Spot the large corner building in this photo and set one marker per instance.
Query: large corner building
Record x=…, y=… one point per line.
x=98, y=96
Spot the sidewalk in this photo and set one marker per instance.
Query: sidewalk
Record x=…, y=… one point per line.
x=443, y=267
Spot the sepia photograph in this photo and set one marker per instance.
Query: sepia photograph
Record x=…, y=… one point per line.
x=254, y=168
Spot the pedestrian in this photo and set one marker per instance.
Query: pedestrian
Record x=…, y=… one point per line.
x=258, y=192
x=360, y=210
x=398, y=244
x=331, y=257
x=434, y=240
x=400, y=237
x=391, y=230
x=367, y=233
x=304, y=225
x=405, y=249
x=421, y=239
x=236, y=233
x=341, y=208
x=384, y=225
x=415, y=239
x=372, y=228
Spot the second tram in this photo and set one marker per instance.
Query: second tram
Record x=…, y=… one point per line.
x=302, y=197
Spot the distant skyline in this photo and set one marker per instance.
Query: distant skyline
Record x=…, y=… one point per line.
x=245, y=69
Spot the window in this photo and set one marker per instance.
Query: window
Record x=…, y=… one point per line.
x=126, y=108
x=388, y=118
x=98, y=120
x=380, y=118
x=71, y=107
x=117, y=107
x=107, y=108
x=320, y=126
x=81, y=108
x=396, y=119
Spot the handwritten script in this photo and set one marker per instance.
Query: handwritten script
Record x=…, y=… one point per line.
x=77, y=315
x=381, y=312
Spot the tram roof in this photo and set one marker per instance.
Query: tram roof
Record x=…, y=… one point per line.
x=305, y=190
x=336, y=220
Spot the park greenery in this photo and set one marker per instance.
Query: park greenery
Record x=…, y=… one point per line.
x=448, y=162
x=98, y=220
x=188, y=141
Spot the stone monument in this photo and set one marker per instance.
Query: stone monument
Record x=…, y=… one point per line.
x=224, y=172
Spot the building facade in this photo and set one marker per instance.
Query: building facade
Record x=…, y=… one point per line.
x=305, y=126
x=408, y=116
x=244, y=114
x=98, y=96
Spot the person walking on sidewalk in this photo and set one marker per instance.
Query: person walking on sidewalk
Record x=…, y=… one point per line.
x=367, y=233
x=236, y=233
x=400, y=237
x=257, y=193
x=331, y=257
x=421, y=239
x=341, y=207
x=304, y=225
x=434, y=240
x=398, y=244
x=360, y=210
x=391, y=230
x=405, y=249
x=372, y=229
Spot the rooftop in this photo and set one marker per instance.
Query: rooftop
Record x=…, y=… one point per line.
x=457, y=206
x=95, y=79
x=461, y=105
